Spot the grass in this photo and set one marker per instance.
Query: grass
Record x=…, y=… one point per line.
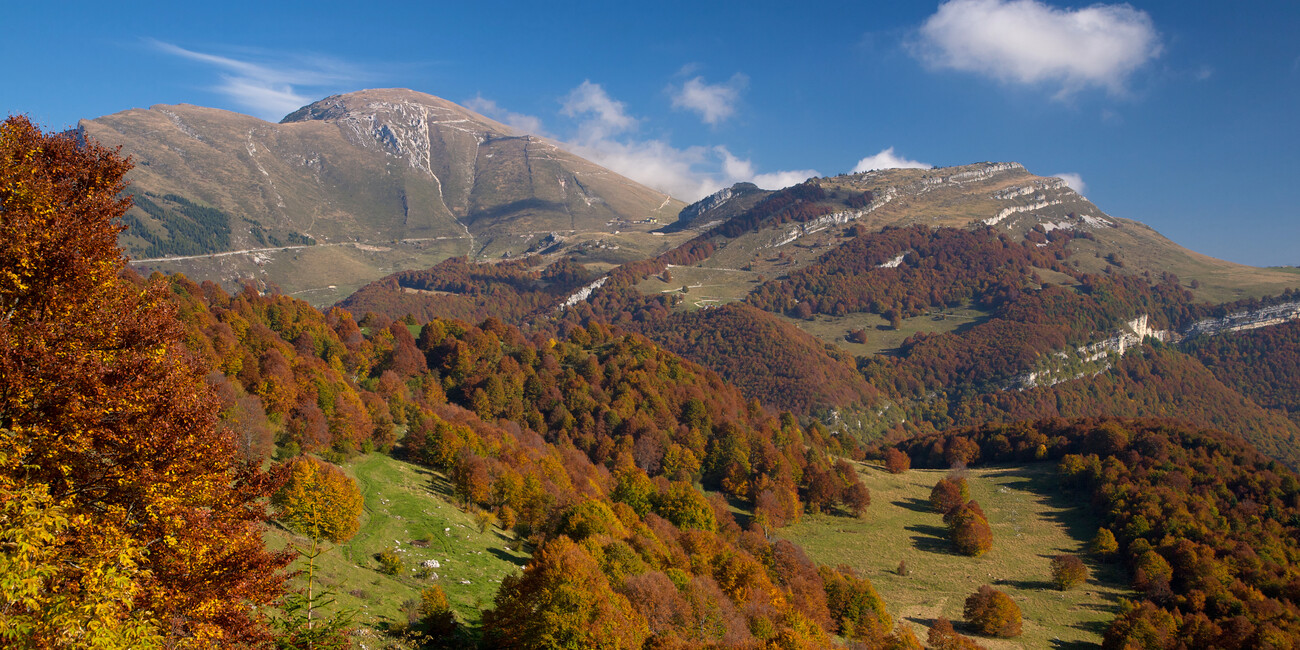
x=404, y=503
x=881, y=338
x=706, y=287
x=1031, y=520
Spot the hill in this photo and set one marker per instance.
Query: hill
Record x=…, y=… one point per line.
x=355, y=186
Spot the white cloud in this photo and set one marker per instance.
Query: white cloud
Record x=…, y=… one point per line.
x=607, y=117
x=714, y=102
x=270, y=90
x=1074, y=180
x=605, y=133
x=521, y=123
x=735, y=170
x=1030, y=42
x=887, y=159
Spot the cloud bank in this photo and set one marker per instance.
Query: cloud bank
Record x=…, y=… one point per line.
x=270, y=90
x=887, y=159
x=713, y=102
x=1030, y=42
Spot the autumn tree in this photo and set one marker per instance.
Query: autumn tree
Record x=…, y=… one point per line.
x=949, y=493
x=1103, y=544
x=436, y=616
x=897, y=462
x=855, y=605
x=857, y=498
x=108, y=423
x=562, y=600
x=1068, y=572
x=942, y=636
x=320, y=501
x=992, y=612
x=903, y=638
x=970, y=530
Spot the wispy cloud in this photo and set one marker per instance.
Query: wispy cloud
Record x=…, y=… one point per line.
x=1030, y=42
x=887, y=159
x=1074, y=180
x=523, y=124
x=714, y=102
x=603, y=130
x=271, y=85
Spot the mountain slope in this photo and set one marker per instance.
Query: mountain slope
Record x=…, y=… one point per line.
x=771, y=238
x=408, y=175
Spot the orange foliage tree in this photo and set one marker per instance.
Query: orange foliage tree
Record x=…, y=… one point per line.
x=970, y=529
x=943, y=636
x=562, y=600
x=993, y=613
x=897, y=462
x=105, y=422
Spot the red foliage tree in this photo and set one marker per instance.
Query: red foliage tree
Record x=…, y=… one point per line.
x=949, y=493
x=897, y=462
x=105, y=415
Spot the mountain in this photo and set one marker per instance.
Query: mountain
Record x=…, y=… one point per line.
x=1002, y=195
x=359, y=185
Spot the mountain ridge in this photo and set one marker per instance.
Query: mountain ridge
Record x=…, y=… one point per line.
x=389, y=168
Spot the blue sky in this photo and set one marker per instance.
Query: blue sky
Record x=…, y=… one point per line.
x=1180, y=114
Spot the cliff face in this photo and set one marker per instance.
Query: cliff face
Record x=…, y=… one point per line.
x=1096, y=357
x=1245, y=320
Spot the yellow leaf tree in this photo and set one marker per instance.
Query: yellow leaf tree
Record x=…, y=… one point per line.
x=319, y=501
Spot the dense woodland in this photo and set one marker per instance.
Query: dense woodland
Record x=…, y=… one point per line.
x=938, y=268
x=455, y=288
x=1259, y=363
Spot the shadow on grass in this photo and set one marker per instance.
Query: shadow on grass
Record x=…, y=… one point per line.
x=1072, y=645
x=1093, y=627
x=915, y=505
x=1069, y=509
x=513, y=559
x=925, y=623
x=932, y=539
x=1043, y=585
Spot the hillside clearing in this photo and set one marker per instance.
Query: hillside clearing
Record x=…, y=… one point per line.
x=402, y=505
x=1031, y=520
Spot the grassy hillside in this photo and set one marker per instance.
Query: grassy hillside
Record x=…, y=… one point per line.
x=1031, y=523
x=405, y=504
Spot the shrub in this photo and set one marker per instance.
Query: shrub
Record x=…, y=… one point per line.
x=483, y=519
x=389, y=563
x=993, y=613
x=435, y=612
x=1068, y=572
